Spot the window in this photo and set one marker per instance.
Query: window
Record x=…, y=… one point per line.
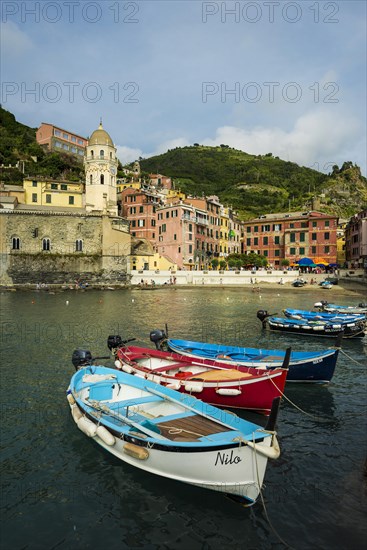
x=133, y=223
x=292, y=237
x=302, y=237
x=326, y=235
x=65, y=146
x=141, y=223
x=34, y=184
x=277, y=240
x=277, y=227
x=133, y=210
x=313, y=236
x=248, y=229
x=313, y=249
x=91, y=179
x=64, y=187
x=167, y=214
x=327, y=223
x=256, y=241
x=71, y=199
x=303, y=224
x=190, y=227
x=48, y=199
x=277, y=253
x=34, y=197
x=291, y=225
x=265, y=228
x=190, y=236
x=292, y=251
x=92, y=154
x=15, y=243
x=58, y=144
x=314, y=224
x=190, y=248
x=141, y=209
x=81, y=142
x=265, y=253
x=327, y=249
x=153, y=223
x=65, y=136
x=54, y=186
x=57, y=133
x=175, y=237
x=46, y=244
x=101, y=154
x=78, y=245
x=256, y=229
x=73, y=138
x=266, y=240
x=163, y=228
x=101, y=180
x=302, y=251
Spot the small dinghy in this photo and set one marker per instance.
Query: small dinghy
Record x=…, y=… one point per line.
x=360, y=309
x=309, y=327
x=214, y=382
x=171, y=434
x=304, y=366
x=335, y=317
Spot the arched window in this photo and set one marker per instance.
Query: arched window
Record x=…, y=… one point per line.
x=46, y=244
x=78, y=245
x=92, y=154
x=111, y=155
x=102, y=179
x=15, y=243
x=91, y=179
x=101, y=154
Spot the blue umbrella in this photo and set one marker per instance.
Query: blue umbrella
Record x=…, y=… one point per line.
x=305, y=261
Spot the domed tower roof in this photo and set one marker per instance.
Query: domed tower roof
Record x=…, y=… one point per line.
x=100, y=137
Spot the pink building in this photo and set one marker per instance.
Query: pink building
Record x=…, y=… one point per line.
x=54, y=138
x=139, y=208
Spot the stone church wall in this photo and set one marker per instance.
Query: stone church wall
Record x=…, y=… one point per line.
x=62, y=263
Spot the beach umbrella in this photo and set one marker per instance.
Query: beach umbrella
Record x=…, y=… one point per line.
x=305, y=261
x=321, y=261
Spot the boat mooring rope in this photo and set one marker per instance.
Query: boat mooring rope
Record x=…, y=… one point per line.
x=263, y=502
x=296, y=406
x=351, y=358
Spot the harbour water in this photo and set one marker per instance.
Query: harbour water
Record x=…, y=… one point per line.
x=60, y=490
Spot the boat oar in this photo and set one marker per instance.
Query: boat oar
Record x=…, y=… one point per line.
x=124, y=419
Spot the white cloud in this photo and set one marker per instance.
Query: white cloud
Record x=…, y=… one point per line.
x=316, y=137
x=128, y=154
x=14, y=42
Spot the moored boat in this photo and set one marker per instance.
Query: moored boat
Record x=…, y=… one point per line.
x=322, y=315
x=304, y=366
x=360, y=309
x=214, y=382
x=325, y=328
x=170, y=434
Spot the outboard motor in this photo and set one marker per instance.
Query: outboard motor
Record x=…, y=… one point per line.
x=262, y=315
x=158, y=337
x=81, y=358
x=114, y=342
x=362, y=304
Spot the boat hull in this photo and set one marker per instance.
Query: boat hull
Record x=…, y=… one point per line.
x=315, y=367
x=223, y=386
x=309, y=328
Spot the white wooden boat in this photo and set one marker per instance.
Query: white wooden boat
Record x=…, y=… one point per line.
x=171, y=434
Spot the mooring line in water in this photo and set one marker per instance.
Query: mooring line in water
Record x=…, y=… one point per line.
x=351, y=358
x=298, y=408
x=264, y=506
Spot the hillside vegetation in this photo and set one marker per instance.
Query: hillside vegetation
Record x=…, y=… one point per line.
x=256, y=185
x=252, y=185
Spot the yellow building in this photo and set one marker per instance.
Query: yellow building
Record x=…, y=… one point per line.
x=56, y=193
x=340, y=244
x=224, y=230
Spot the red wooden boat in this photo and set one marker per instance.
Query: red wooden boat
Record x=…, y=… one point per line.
x=211, y=381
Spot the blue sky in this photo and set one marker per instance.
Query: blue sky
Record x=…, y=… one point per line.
x=272, y=76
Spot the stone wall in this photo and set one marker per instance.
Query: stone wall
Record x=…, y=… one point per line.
x=95, y=264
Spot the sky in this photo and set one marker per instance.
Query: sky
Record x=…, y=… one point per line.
x=287, y=78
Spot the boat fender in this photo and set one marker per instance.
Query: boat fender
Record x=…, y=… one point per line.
x=118, y=364
x=127, y=369
x=70, y=398
x=106, y=436
x=270, y=452
x=76, y=413
x=87, y=427
x=228, y=391
x=194, y=387
x=183, y=374
x=174, y=386
x=135, y=451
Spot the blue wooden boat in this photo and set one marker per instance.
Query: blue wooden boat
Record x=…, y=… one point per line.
x=360, y=309
x=322, y=315
x=309, y=327
x=170, y=434
x=304, y=366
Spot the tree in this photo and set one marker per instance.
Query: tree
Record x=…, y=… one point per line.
x=215, y=263
x=222, y=264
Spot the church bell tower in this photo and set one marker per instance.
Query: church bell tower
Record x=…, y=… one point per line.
x=100, y=164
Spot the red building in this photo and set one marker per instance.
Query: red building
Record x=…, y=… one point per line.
x=292, y=236
x=139, y=208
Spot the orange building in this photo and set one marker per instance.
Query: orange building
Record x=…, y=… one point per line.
x=54, y=138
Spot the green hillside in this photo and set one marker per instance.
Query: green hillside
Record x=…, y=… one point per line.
x=255, y=185
x=18, y=143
